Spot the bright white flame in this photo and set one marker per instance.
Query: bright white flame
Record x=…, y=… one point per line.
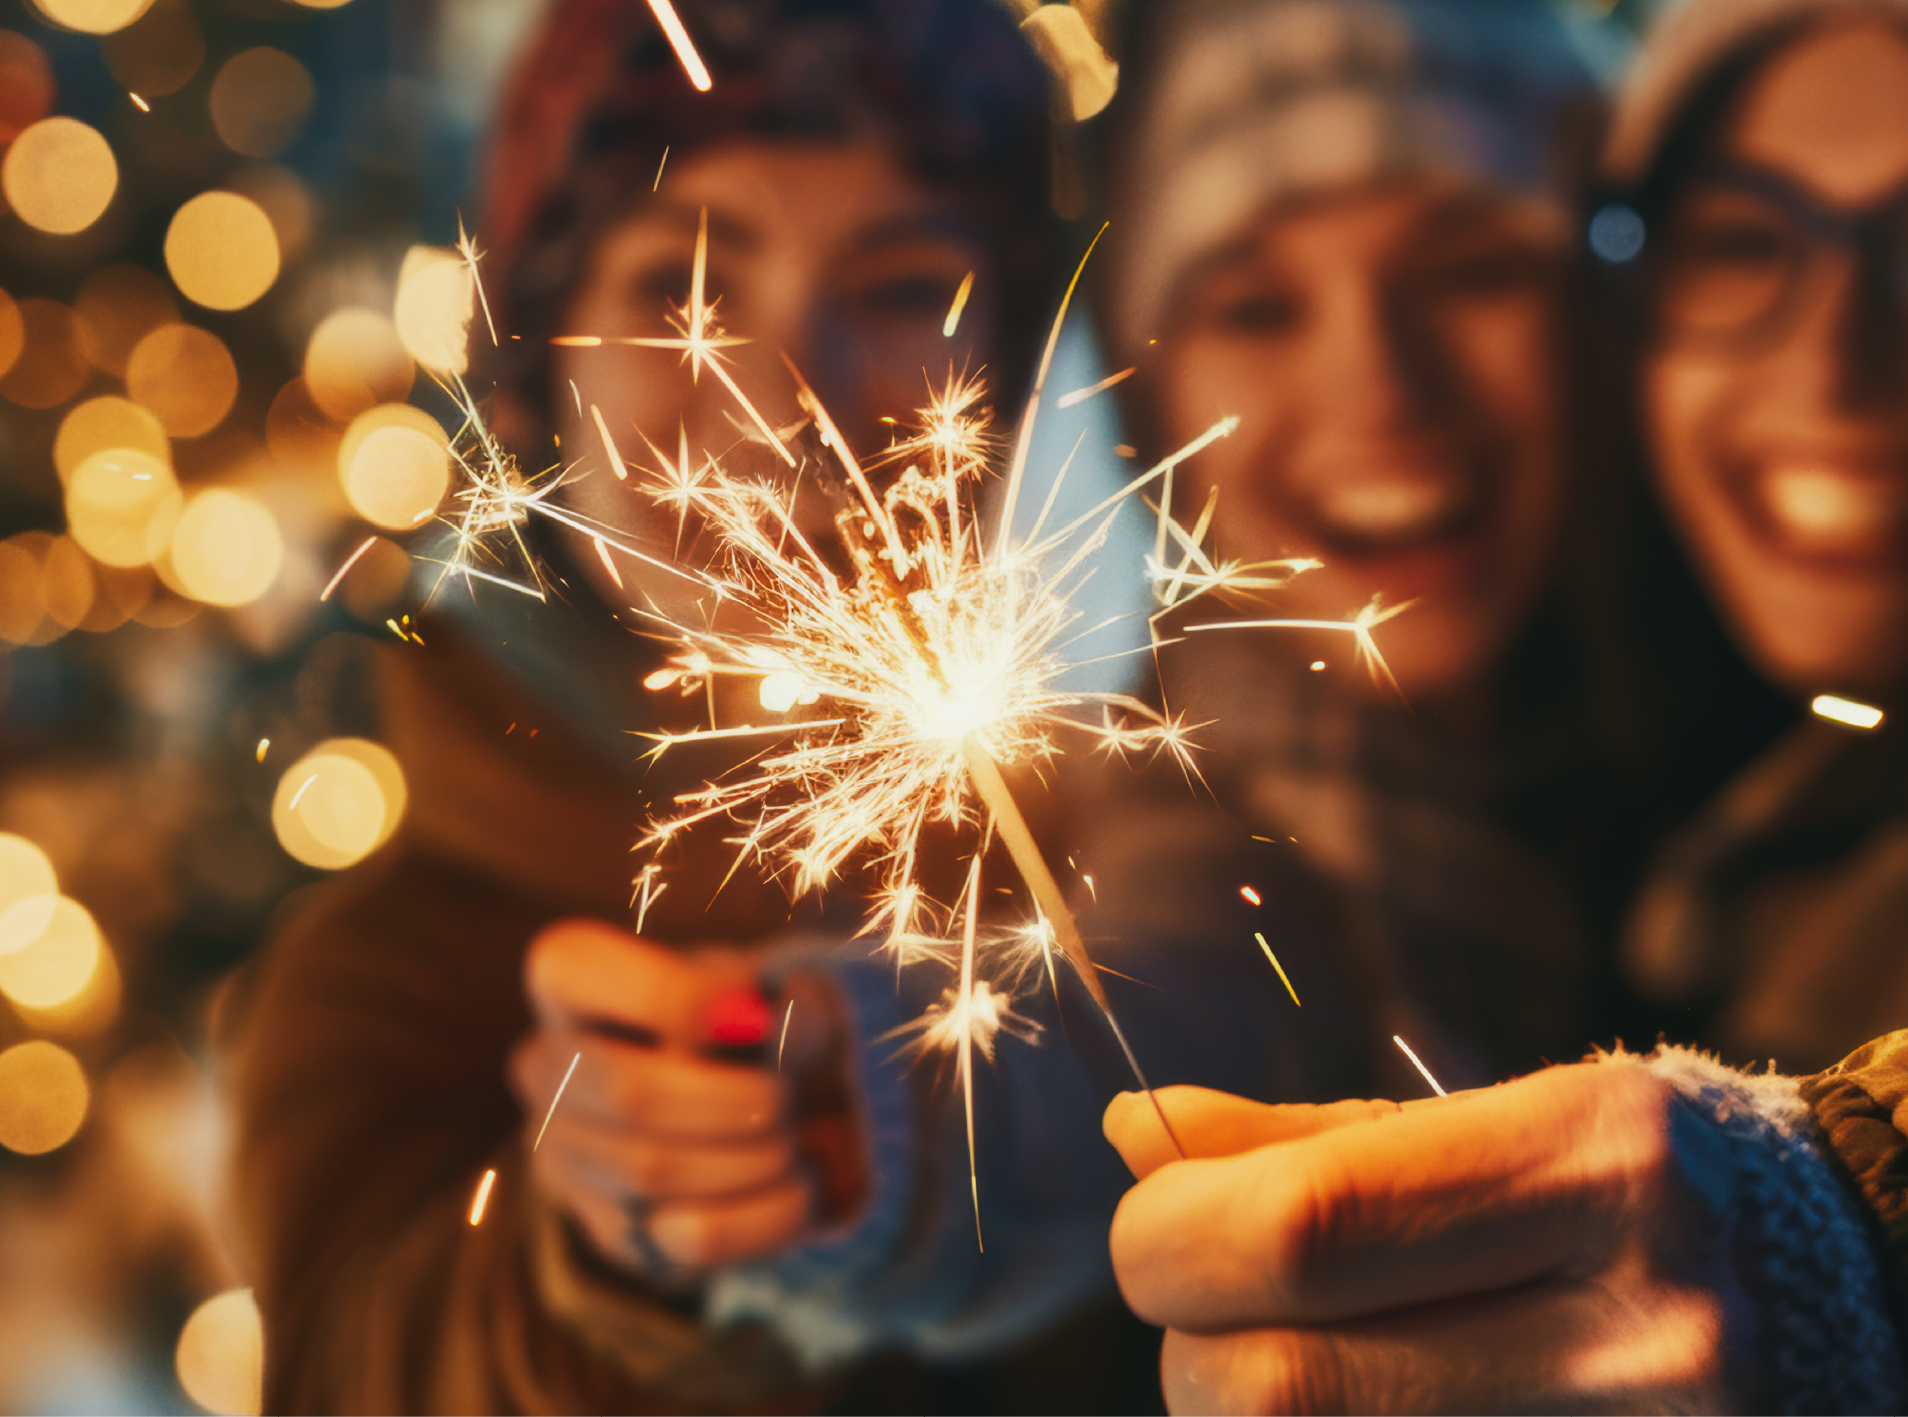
x=1846, y=711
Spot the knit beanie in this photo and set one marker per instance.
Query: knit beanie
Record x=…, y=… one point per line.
x=1234, y=105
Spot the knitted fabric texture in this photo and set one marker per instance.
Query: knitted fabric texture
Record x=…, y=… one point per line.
x=1824, y=1338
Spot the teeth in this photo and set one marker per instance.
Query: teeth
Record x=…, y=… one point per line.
x=1831, y=510
x=1386, y=509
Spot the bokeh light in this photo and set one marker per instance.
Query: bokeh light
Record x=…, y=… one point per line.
x=222, y=251
x=88, y=1013
x=55, y=963
x=436, y=299
x=26, y=879
x=12, y=332
x=67, y=577
x=226, y=549
x=186, y=376
x=339, y=803
x=22, y=596
x=26, y=84
x=286, y=202
x=59, y=175
x=377, y=579
x=93, y=16
x=260, y=101
x=394, y=463
x=159, y=53
x=51, y=366
x=43, y=1097
x=117, y=307
x=221, y=1355
x=355, y=361
x=121, y=506
x=103, y=423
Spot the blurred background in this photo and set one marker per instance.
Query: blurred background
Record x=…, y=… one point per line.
x=227, y=275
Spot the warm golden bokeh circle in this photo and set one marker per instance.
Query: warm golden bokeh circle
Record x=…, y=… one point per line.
x=121, y=506
x=222, y=251
x=88, y=1013
x=260, y=101
x=226, y=549
x=59, y=176
x=25, y=874
x=70, y=584
x=103, y=423
x=339, y=803
x=394, y=464
x=43, y=1097
x=186, y=376
x=436, y=299
x=117, y=307
x=355, y=361
x=22, y=593
x=220, y=1357
x=51, y=366
x=93, y=16
x=57, y=958
x=12, y=333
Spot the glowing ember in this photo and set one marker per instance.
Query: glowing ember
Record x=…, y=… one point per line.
x=1418, y=1063
x=1855, y=715
x=482, y=1198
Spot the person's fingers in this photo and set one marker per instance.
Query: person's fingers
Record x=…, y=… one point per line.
x=699, y=1234
x=648, y=1089
x=583, y=972
x=1468, y=1194
x=1560, y=1346
x=659, y=1169
x=1213, y=1123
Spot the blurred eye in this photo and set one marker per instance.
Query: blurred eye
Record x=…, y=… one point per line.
x=906, y=297
x=651, y=288
x=1259, y=312
x=1733, y=243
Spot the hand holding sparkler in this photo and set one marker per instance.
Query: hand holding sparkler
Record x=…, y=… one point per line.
x=685, y=1128
x=1553, y=1244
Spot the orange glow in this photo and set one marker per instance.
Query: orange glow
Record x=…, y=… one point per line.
x=55, y=961
x=69, y=583
x=118, y=307
x=260, y=101
x=226, y=549
x=103, y=423
x=186, y=376
x=220, y=1358
x=88, y=1013
x=50, y=367
x=59, y=176
x=1250, y=896
x=22, y=594
x=222, y=251
x=12, y=333
x=26, y=85
x=43, y=1097
x=338, y=803
x=354, y=361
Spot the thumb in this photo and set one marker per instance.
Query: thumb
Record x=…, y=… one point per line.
x=1211, y=1123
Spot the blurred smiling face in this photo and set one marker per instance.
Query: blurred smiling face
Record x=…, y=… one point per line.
x=829, y=252
x=1392, y=355
x=1776, y=390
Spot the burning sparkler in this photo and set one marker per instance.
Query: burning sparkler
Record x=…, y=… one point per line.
x=904, y=665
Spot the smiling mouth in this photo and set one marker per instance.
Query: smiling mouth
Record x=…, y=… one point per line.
x=1374, y=516
x=1830, y=512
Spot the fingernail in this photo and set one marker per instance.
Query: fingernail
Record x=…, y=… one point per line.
x=737, y=1018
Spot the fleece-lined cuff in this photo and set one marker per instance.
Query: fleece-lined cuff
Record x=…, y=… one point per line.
x=1825, y=1338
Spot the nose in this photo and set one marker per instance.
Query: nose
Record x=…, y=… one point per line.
x=1857, y=339
x=1375, y=377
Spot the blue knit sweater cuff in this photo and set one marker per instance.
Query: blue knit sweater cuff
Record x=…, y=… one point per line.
x=1824, y=1339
